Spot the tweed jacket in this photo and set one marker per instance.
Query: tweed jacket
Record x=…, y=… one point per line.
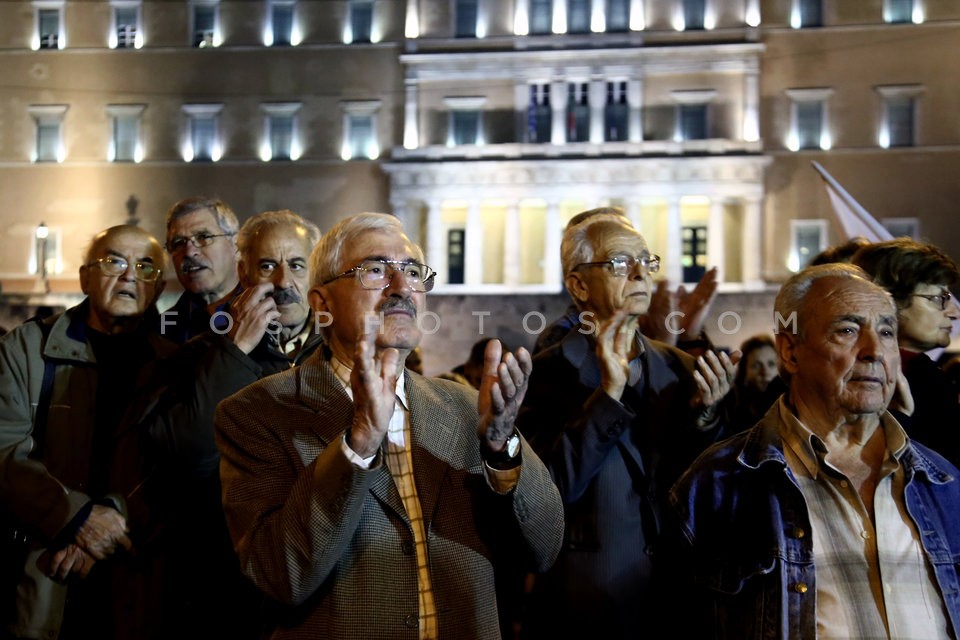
x=613, y=463
x=331, y=543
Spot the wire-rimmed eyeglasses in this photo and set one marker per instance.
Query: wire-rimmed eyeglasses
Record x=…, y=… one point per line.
x=202, y=239
x=115, y=266
x=622, y=265
x=939, y=299
x=377, y=274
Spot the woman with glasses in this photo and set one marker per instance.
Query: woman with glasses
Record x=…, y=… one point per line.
x=919, y=277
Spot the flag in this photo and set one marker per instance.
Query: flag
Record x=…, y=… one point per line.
x=854, y=219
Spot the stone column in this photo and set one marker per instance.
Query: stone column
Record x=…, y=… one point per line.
x=558, y=105
x=674, y=268
x=435, y=248
x=511, y=246
x=597, y=100
x=716, y=246
x=411, y=132
x=751, y=105
x=635, y=113
x=552, y=271
x=752, y=240
x=473, y=251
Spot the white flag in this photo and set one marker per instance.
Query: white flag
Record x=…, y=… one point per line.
x=854, y=219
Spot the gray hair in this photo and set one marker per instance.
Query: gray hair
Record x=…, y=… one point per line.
x=328, y=253
x=226, y=218
x=266, y=220
x=791, y=299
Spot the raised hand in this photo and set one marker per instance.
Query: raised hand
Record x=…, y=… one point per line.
x=714, y=378
x=615, y=339
x=252, y=312
x=374, y=384
x=502, y=387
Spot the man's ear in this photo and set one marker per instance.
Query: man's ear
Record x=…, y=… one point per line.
x=317, y=300
x=84, y=276
x=577, y=288
x=786, y=343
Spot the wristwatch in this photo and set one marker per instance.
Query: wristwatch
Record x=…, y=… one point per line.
x=508, y=457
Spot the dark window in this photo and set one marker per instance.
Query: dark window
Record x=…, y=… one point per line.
x=49, y=26
x=361, y=135
x=811, y=13
x=900, y=115
x=618, y=15
x=203, y=131
x=899, y=10
x=126, y=19
x=281, y=136
x=466, y=15
x=282, y=15
x=466, y=127
x=361, y=20
x=48, y=141
x=809, y=124
x=540, y=115
x=615, y=112
x=578, y=113
x=693, y=13
x=204, y=22
x=541, y=16
x=693, y=121
x=125, y=138
x=578, y=16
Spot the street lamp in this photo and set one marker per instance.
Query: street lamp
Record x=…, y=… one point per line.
x=42, y=232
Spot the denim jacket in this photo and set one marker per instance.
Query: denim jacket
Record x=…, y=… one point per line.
x=741, y=543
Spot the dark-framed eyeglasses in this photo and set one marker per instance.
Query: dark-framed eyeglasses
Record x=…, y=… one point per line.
x=939, y=299
x=199, y=240
x=377, y=274
x=115, y=266
x=620, y=266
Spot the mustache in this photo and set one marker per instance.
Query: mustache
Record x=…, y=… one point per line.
x=286, y=296
x=404, y=304
x=189, y=263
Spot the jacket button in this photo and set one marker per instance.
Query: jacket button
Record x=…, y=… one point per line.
x=412, y=621
x=800, y=587
x=406, y=547
x=799, y=533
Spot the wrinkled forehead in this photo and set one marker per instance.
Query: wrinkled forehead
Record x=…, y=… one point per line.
x=273, y=240
x=132, y=244
x=832, y=299
x=381, y=244
x=617, y=239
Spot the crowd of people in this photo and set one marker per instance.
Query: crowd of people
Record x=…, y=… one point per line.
x=266, y=458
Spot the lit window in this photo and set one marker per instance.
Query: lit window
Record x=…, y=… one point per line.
x=280, y=140
x=49, y=140
x=806, y=13
x=539, y=114
x=898, y=128
x=692, y=114
x=615, y=113
x=126, y=26
x=807, y=239
x=902, y=11
x=578, y=112
x=578, y=16
x=125, y=139
x=466, y=18
x=49, y=34
x=541, y=16
x=202, y=143
x=465, y=123
x=618, y=15
x=693, y=12
x=808, y=115
x=281, y=23
x=205, y=18
x=360, y=130
x=361, y=20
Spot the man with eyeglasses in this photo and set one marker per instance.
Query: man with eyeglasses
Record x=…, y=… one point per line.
x=616, y=417
x=70, y=470
x=201, y=241
x=269, y=328
x=370, y=501
x=919, y=276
